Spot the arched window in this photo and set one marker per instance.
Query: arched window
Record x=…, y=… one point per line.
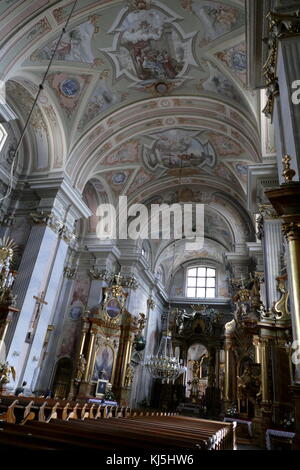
x=201, y=282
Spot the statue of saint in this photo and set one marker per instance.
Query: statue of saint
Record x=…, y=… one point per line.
x=80, y=368
x=128, y=375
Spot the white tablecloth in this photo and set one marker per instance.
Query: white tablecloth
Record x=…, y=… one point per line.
x=274, y=432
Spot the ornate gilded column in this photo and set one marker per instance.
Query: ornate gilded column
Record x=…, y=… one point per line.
x=285, y=200
x=84, y=330
x=264, y=344
x=256, y=344
x=228, y=382
x=88, y=371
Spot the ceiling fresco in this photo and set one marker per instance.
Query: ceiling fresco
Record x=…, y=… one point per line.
x=142, y=95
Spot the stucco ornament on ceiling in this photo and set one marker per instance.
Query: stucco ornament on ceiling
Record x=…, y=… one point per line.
x=149, y=47
x=177, y=148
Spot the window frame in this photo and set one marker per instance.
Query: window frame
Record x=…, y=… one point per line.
x=196, y=277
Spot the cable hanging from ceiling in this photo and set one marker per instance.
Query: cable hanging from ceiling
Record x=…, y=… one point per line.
x=41, y=87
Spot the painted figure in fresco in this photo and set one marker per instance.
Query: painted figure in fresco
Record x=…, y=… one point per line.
x=146, y=45
x=76, y=45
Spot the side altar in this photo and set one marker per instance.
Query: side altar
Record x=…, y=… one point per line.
x=104, y=370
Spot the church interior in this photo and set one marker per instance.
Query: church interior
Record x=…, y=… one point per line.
x=153, y=342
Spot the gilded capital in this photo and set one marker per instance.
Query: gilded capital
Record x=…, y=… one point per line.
x=267, y=211
x=291, y=231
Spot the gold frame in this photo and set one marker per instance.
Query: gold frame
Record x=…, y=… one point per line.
x=101, y=395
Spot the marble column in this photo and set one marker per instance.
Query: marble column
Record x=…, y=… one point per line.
x=272, y=248
x=35, y=274
x=47, y=367
x=40, y=274
x=287, y=112
x=281, y=73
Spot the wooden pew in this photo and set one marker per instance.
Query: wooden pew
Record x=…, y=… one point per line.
x=61, y=425
x=7, y=407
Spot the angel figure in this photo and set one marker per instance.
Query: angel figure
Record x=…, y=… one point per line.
x=141, y=322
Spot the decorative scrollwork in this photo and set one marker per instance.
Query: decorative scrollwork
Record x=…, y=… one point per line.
x=280, y=26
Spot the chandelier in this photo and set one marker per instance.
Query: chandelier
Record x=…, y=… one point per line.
x=164, y=365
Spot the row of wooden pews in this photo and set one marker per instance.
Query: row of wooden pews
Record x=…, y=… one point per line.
x=21, y=409
x=47, y=424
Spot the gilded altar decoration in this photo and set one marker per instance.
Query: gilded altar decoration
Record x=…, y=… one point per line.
x=281, y=307
x=280, y=26
x=141, y=322
x=7, y=252
x=5, y=372
x=129, y=373
x=80, y=368
x=249, y=387
x=288, y=172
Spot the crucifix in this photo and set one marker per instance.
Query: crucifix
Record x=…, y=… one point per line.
x=39, y=302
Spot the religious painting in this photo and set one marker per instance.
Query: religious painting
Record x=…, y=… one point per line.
x=113, y=308
x=104, y=363
x=127, y=153
x=79, y=298
x=101, y=387
x=217, y=19
x=91, y=198
x=101, y=99
x=149, y=46
x=236, y=59
x=217, y=82
x=177, y=148
x=75, y=45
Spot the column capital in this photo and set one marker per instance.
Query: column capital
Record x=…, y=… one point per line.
x=49, y=219
x=291, y=230
x=70, y=273
x=267, y=211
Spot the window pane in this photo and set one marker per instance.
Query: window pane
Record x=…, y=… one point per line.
x=210, y=282
x=201, y=292
x=190, y=292
x=211, y=272
x=210, y=293
x=202, y=272
x=201, y=282
x=192, y=272
x=191, y=282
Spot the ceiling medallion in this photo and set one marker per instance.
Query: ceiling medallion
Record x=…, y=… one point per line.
x=160, y=88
